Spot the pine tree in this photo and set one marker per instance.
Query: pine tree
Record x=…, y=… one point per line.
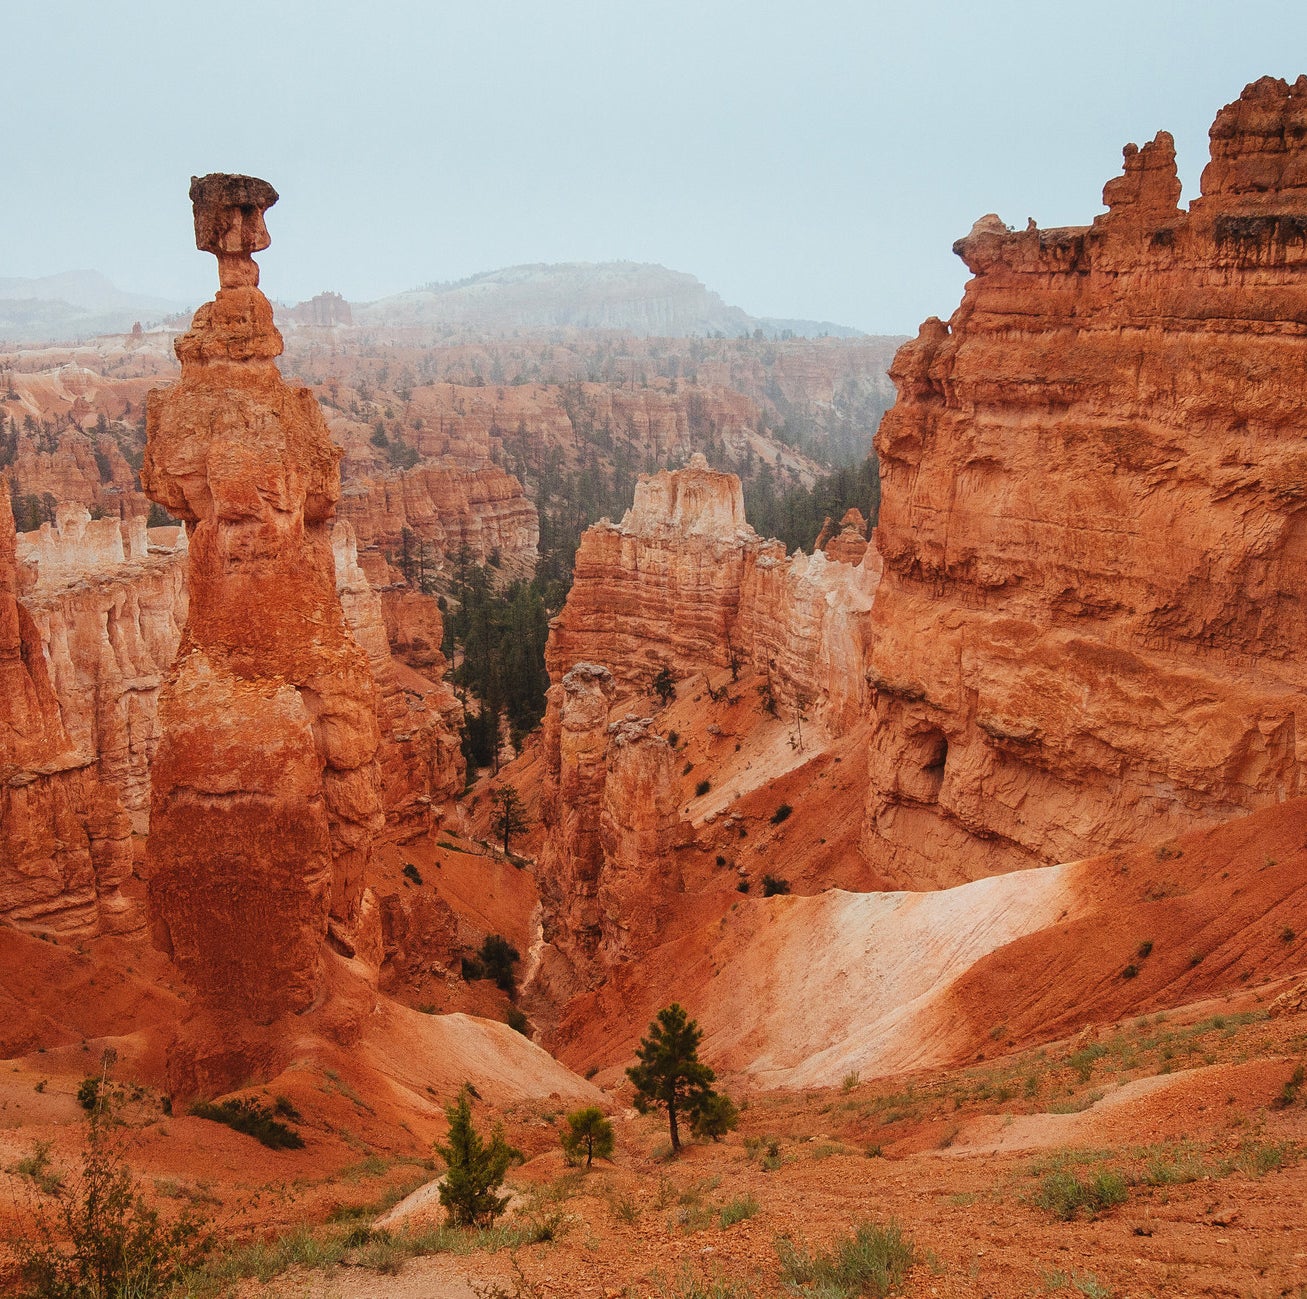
x=670, y=1075
x=475, y=1169
x=509, y=817
x=588, y=1135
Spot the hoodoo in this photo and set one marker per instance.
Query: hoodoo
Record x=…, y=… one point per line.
x=265, y=795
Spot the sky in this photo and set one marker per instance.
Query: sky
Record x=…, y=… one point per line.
x=812, y=160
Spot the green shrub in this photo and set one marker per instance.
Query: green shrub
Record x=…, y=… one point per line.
x=875, y=1260
x=518, y=1022
x=37, y=1168
x=1066, y=1196
x=715, y=1116
x=411, y=872
x=498, y=956
x=773, y=885
x=782, y=813
x=88, y=1093
x=588, y=1134
x=243, y=1114
x=737, y=1210
x=1289, y=1092
x=113, y=1245
x=702, y=788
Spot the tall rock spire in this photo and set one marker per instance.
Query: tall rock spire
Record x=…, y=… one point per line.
x=265, y=792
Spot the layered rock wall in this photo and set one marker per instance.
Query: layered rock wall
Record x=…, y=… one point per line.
x=422, y=766
x=109, y=641
x=1094, y=522
x=449, y=507
x=65, y=846
x=683, y=582
x=609, y=867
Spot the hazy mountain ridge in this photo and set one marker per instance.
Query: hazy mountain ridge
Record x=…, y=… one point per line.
x=73, y=305
x=632, y=297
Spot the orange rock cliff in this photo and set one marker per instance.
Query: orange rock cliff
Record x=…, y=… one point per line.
x=265, y=783
x=1094, y=505
x=65, y=844
x=1093, y=521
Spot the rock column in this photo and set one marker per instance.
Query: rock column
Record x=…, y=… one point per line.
x=265, y=795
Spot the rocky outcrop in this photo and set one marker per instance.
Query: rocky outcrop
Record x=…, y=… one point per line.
x=65, y=845
x=609, y=867
x=662, y=588
x=1093, y=522
x=323, y=310
x=683, y=582
x=109, y=639
x=265, y=782
x=422, y=764
x=446, y=507
x=848, y=545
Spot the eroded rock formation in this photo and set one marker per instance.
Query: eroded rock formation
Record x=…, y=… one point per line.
x=265, y=782
x=1094, y=522
x=609, y=866
x=65, y=846
x=684, y=582
x=422, y=766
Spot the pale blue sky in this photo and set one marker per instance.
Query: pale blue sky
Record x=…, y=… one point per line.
x=811, y=159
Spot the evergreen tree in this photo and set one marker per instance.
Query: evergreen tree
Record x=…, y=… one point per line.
x=716, y=1116
x=588, y=1135
x=670, y=1074
x=475, y=1169
x=510, y=816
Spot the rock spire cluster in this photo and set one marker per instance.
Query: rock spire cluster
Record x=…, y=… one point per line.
x=265, y=796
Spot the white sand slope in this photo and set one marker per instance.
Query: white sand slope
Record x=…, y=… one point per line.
x=416, y=1051
x=809, y=989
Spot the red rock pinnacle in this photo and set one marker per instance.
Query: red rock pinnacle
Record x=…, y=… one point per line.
x=265, y=789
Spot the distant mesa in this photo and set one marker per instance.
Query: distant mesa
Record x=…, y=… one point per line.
x=638, y=298
x=627, y=297
x=72, y=306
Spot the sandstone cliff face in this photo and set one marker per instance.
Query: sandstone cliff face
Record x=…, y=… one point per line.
x=448, y=507
x=1094, y=519
x=265, y=782
x=422, y=766
x=64, y=841
x=609, y=865
x=684, y=582
x=109, y=639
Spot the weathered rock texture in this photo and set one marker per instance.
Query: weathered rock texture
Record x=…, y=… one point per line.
x=109, y=638
x=265, y=782
x=610, y=868
x=65, y=844
x=422, y=764
x=1094, y=522
x=684, y=582
x=445, y=506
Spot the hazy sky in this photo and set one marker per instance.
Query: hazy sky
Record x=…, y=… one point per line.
x=812, y=159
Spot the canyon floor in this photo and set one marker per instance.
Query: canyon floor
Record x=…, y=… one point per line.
x=1187, y=1106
